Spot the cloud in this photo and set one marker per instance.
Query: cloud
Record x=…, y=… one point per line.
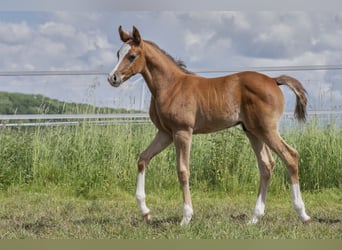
x=244, y=39
x=15, y=33
x=52, y=45
x=176, y=5
x=81, y=40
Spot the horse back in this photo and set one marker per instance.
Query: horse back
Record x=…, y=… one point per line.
x=211, y=104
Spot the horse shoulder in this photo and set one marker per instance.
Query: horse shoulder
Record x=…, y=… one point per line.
x=155, y=116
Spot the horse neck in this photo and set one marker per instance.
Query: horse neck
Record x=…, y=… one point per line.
x=160, y=72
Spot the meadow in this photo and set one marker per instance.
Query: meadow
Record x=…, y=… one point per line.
x=79, y=182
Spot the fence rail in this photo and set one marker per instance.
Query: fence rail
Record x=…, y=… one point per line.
x=74, y=116
x=101, y=119
x=71, y=119
x=74, y=119
x=203, y=70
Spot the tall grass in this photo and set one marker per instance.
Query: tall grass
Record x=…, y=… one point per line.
x=91, y=160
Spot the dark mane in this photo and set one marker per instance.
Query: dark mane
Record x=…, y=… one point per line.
x=180, y=64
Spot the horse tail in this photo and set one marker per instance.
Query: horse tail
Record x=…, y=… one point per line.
x=300, y=92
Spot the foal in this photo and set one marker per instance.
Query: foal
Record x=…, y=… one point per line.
x=183, y=104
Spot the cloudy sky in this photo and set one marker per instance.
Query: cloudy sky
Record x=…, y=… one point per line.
x=36, y=39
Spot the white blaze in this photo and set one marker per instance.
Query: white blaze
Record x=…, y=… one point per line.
x=122, y=53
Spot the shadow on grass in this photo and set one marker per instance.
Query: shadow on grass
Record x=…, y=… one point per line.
x=156, y=223
x=330, y=221
x=326, y=220
x=239, y=217
x=164, y=222
x=95, y=221
x=38, y=226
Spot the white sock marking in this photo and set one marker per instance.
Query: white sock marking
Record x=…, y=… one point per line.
x=140, y=193
x=259, y=210
x=187, y=214
x=298, y=202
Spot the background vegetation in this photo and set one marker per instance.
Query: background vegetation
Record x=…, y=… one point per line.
x=79, y=182
x=18, y=103
x=90, y=160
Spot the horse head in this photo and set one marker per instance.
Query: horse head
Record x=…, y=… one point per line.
x=131, y=57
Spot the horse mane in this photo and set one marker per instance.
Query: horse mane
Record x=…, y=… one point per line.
x=179, y=63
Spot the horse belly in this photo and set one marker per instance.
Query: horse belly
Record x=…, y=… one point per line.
x=211, y=123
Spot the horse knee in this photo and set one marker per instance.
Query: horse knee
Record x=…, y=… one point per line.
x=295, y=154
x=292, y=170
x=272, y=164
x=292, y=164
x=266, y=169
x=183, y=176
x=142, y=164
x=266, y=164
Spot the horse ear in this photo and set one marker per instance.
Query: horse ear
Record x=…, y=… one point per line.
x=123, y=35
x=136, y=36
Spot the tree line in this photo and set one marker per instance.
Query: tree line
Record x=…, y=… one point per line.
x=18, y=103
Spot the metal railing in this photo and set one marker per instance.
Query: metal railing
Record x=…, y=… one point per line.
x=71, y=119
x=203, y=70
x=101, y=119
x=74, y=119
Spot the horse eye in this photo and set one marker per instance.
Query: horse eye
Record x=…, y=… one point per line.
x=131, y=57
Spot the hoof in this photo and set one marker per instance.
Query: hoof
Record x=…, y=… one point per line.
x=147, y=218
x=187, y=215
x=185, y=221
x=253, y=221
x=308, y=221
x=305, y=218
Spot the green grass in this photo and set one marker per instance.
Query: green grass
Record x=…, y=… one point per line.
x=45, y=215
x=79, y=182
x=91, y=161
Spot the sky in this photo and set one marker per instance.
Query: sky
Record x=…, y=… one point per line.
x=36, y=38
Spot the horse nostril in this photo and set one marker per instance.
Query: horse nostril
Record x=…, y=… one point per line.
x=114, y=78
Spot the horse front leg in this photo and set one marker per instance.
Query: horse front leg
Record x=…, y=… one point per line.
x=182, y=140
x=159, y=143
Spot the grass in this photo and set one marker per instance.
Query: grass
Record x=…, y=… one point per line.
x=79, y=182
x=90, y=160
x=45, y=215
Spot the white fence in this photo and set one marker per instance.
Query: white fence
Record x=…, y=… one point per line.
x=101, y=119
x=71, y=119
x=325, y=117
x=222, y=70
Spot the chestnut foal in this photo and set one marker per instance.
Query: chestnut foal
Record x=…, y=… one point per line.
x=183, y=104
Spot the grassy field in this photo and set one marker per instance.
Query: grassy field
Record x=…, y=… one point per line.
x=79, y=182
x=45, y=215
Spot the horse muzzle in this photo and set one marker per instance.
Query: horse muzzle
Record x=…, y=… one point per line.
x=115, y=80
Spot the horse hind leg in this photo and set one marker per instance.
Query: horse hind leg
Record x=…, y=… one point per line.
x=290, y=157
x=266, y=165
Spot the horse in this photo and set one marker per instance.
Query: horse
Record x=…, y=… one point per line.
x=184, y=104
